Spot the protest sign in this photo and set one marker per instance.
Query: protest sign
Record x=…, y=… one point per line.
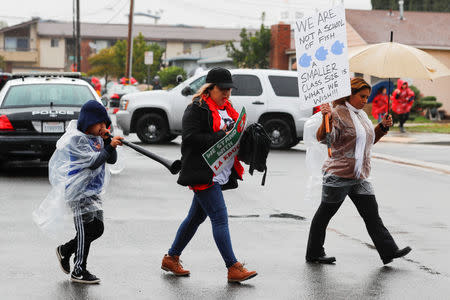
x=227, y=148
x=322, y=59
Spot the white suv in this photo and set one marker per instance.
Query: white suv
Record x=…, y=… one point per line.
x=270, y=97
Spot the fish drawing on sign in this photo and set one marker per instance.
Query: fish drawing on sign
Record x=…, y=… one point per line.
x=321, y=53
x=305, y=60
x=337, y=48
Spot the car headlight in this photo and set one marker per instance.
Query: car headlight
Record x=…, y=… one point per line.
x=124, y=104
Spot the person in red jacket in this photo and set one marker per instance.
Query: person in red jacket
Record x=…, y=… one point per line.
x=402, y=101
x=379, y=104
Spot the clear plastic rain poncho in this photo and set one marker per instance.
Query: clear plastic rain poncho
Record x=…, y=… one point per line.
x=76, y=189
x=352, y=137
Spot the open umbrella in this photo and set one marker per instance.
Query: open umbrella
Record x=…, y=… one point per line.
x=387, y=60
x=388, y=85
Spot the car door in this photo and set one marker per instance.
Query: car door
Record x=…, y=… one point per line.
x=249, y=93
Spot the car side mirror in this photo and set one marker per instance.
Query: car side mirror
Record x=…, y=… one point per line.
x=105, y=101
x=187, y=91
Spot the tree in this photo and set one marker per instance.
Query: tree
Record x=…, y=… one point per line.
x=3, y=24
x=102, y=64
x=112, y=61
x=255, y=49
x=140, y=46
x=413, y=5
x=168, y=76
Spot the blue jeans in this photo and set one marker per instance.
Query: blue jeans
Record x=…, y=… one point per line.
x=209, y=203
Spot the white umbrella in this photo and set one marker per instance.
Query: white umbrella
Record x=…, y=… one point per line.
x=387, y=60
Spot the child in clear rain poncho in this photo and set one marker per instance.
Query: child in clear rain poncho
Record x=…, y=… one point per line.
x=78, y=178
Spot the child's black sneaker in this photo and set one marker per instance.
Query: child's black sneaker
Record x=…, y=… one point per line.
x=64, y=261
x=84, y=277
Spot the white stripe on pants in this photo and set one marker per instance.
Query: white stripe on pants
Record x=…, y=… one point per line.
x=80, y=240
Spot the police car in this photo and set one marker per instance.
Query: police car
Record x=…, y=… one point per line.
x=35, y=109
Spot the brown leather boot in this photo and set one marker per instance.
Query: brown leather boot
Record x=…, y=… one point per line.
x=237, y=273
x=173, y=264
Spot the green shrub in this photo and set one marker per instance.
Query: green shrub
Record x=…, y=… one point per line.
x=428, y=98
x=169, y=75
x=430, y=104
x=416, y=92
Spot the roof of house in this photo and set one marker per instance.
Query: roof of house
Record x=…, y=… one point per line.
x=153, y=32
x=419, y=29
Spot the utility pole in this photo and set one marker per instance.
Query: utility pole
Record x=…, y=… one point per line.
x=78, y=38
x=130, y=44
x=74, y=29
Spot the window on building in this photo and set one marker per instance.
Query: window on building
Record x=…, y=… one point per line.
x=246, y=85
x=17, y=44
x=284, y=86
x=100, y=45
x=54, y=43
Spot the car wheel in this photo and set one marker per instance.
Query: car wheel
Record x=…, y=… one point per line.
x=279, y=132
x=152, y=129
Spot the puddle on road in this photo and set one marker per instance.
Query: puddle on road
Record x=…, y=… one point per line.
x=287, y=216
x=279, y=215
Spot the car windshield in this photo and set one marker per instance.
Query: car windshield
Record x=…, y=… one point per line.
x=123, y=89
x=44, y=94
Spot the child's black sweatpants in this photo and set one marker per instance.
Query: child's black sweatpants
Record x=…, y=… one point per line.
x=89, y=227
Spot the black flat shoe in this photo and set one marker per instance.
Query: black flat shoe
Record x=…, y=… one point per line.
x=322, y=260
x=397, y=254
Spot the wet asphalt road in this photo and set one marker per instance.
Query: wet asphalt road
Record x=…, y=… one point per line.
x=144, y=206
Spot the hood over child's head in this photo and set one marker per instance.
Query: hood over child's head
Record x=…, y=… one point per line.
x=92, y=113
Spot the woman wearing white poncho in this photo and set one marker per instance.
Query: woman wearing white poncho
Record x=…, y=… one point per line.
x=346, y=172
x=78, y=178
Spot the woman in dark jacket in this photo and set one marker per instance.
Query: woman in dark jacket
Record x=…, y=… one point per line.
x=207, y=120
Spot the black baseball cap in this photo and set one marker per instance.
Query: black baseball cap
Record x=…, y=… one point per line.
x=220, y=77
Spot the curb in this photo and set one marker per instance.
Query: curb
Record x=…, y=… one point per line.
x=415, y=163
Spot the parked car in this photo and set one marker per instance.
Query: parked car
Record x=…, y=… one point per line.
x=271, y=97
x=35, y=110
x=115, y=92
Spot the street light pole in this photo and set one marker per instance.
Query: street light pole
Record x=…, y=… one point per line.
x=130, y=43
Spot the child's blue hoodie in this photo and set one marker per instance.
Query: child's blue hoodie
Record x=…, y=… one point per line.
x=92, y=112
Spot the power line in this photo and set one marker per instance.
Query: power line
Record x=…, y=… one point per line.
x=119, y=11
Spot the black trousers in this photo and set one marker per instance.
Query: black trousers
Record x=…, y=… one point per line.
x=368, y=209
x=89, y=227
x=403, y=118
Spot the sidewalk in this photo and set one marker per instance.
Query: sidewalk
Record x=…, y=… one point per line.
x=417, y=138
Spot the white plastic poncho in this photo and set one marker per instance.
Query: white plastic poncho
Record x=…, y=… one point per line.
x=316, y=154
x=354, y=133
x=76, y=189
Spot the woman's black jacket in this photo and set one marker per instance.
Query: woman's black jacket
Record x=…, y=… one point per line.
x=197, y=137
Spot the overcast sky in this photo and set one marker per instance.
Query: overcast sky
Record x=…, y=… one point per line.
x=211, y=13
